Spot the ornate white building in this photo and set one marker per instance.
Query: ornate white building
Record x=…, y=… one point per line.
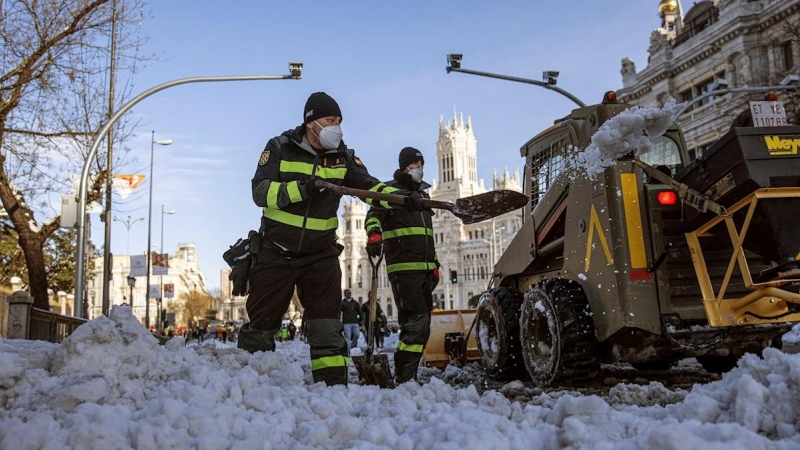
x=466, y=251
x=184, y=273
x=713, y=45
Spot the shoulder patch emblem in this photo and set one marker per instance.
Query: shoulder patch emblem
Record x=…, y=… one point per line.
x=358, y=161
x=264, y=158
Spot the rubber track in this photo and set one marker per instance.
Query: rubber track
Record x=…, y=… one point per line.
x=510, y=301
x=580, y=350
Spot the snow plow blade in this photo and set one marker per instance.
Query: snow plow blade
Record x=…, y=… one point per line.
x=450, y=340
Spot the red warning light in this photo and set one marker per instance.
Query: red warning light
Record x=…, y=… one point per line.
x=771, y=97
x=610, y=97
x=667, y=198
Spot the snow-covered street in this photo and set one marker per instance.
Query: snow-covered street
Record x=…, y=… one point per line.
x=110, y=385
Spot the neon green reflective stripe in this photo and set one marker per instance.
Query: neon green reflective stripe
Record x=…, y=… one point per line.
x=329, y=361
x=308, y=169
x=272, y=194
x=297, y=221
x=410, y=231
x=372, y=224
x=380, y=187
x=410, y=266
x=294, y=192
x=415, y=348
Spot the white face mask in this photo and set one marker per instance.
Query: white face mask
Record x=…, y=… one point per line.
x=330, y=137
x=416, y=174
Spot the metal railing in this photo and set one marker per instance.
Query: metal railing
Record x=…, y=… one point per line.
x=52, y=327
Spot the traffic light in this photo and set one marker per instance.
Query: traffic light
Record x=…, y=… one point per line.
x=454, y=276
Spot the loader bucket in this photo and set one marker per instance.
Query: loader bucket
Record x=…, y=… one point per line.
x=448, y=329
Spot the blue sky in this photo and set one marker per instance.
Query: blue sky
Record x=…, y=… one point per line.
x=384, y=62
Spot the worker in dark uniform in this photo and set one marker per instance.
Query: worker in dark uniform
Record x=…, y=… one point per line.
x=407, y=240
x=298, y=235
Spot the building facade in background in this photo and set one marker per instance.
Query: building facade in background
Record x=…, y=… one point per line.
x=711, y=46
x=184, y=275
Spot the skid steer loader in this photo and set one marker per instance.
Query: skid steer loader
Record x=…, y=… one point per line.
x=655, y=260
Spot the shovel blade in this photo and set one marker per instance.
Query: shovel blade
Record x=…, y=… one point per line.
x=374, y=370
x=478, y=208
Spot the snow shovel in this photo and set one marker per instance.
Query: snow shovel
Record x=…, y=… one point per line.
x=474, y=209
x=373, y=368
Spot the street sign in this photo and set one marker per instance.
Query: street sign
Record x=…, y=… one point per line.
x=768, y=114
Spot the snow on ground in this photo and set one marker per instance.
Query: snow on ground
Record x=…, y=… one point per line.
x=631, y=129
x=110, y=385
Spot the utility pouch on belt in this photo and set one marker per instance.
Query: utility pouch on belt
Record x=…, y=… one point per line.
x=240, y=257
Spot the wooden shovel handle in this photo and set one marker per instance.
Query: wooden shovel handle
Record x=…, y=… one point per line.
x=391, y=198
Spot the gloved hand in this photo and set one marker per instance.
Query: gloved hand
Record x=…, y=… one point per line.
x=374, y=245
x=412, y=202
x=312, y=191
x=436, y=273
x=435, y=278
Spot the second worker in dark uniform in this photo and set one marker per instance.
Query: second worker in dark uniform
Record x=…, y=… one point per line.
x=407, y=238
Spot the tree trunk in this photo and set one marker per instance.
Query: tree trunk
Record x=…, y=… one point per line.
x=37, y=277
x=30, y=242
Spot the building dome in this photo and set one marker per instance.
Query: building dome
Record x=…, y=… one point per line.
x=667, y=7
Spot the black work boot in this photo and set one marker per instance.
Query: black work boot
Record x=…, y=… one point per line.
x=254, y=340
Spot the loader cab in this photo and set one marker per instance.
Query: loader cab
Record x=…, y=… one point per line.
x=665, y=155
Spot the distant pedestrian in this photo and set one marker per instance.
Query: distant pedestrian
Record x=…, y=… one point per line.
x=292, y=330
x=351, y=316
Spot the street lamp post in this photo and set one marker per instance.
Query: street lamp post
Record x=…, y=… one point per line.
x=295, y=73
x=161, y=277
x=131, y=284
x=549, y=76
x=128, y=224
x=153, y=143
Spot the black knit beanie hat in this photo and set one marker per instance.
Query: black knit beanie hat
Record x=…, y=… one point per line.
x=319, y=105
x=408, y=156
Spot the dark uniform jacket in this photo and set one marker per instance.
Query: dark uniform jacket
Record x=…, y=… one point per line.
x=407, y=236
x=293, y=223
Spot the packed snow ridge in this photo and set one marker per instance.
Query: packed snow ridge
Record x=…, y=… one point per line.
x=632, y=129
x=110, y=385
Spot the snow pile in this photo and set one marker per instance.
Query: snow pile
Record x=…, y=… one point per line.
x=791, y=340
x=631, y=129
x=109, y=386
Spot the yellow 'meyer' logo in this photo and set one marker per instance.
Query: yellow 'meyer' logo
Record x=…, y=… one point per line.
x=778, y=146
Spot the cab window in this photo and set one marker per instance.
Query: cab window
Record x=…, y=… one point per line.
x=664, y=153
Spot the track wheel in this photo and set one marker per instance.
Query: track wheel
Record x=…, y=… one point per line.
x=557, y=335
x=717, y=364
x=497, y=333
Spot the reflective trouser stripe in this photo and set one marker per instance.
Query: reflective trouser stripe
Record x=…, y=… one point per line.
x=297, y=221
x=410, y=231
x=329, y=361
x=414, y=348
x=410, y=266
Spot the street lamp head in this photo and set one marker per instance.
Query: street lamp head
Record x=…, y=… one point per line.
x=454, y=61
x=164, y=142
x=719, y=84
x=131, y=280
x=296, y=70
x=791, y=80
x=550, y=77
x=170, y=211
